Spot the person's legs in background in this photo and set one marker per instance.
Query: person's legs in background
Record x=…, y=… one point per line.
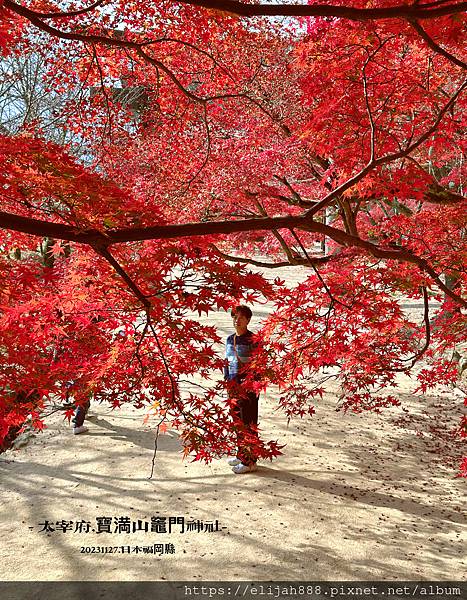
x=78, y=419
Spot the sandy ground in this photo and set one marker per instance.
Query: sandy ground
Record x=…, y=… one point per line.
x=355, y=497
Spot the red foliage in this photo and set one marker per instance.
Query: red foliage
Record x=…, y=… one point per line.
x=353, y=129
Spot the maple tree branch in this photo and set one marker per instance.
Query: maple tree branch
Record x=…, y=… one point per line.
x=377, y=162
x=208, y=153
x=36, y=19
x=437, y=194
x=204, y=100
x=168, y=72
x=318, y=274
x=138, y=348
x=102, y=240
x=401, y=254
x=347, y=215
x=108, y=122
x=296, y=199
x=235, y=7
x=173, y=385
x=156, y=439
x=369, y=112
x=117, y=236
x=414, y=145
x=431, y=4
x=436, y=47
x=175, y=393
x=193, y=47
x=104, y=252
x=287, y=251
x=291, y=257
x=258, y=263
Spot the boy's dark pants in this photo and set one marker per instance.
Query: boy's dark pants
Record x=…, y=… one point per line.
x=245, y=410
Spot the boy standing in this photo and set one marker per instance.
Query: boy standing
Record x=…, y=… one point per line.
x=244, y=409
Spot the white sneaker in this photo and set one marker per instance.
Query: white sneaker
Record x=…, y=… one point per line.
x=241, y=468
x=233, y=461
x=81, y=429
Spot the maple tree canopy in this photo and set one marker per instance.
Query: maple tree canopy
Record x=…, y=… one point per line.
x=158, y=149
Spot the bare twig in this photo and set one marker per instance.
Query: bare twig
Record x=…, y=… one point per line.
x=370, y=114
x=426, y=345
x=156, y=439
x=267, y=265
x=318, y=274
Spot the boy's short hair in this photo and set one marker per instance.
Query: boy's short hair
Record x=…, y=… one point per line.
x=243, y=310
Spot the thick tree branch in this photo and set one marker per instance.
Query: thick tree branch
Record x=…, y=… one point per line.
x=410, y=12
x=437, y=194
x=436, y=47
x=98, y=239
x=328, y=10
x=36, y=19
x=234, y=7
x=118, y=236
